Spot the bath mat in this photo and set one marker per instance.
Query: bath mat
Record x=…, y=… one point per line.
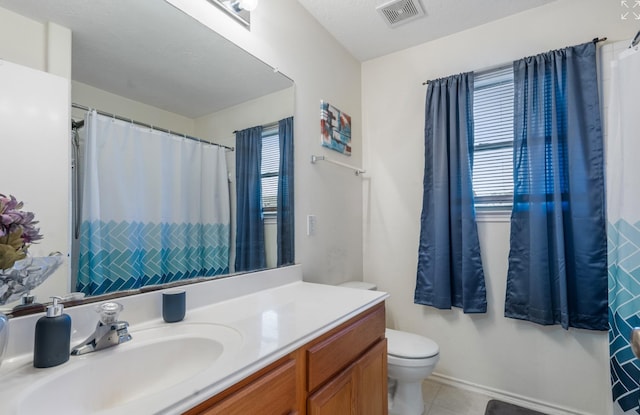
x=502, y=408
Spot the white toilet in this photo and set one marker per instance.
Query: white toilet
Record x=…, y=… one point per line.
x=410, y=359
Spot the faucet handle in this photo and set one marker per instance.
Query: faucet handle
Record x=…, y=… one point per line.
x=109, y=312
x=122, y=329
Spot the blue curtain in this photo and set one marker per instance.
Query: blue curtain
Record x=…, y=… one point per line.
x=285, y=215
x=250, y=249
x=558, y=257
x=449, y=265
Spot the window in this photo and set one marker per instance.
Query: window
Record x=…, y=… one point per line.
x=270, y=169
x=493, y=135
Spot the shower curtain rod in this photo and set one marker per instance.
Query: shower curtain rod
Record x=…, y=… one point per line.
x=595, y=40
x=264, y=126
x=142, y=124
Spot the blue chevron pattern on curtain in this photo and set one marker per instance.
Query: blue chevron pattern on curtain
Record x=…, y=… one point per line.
x=122, y=256
x=624, y=304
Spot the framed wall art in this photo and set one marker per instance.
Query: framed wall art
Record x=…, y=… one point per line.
x=335, y=127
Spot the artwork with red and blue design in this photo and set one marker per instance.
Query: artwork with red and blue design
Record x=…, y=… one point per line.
x=335, y=127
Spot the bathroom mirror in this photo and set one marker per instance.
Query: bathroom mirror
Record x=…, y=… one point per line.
x=146, y=53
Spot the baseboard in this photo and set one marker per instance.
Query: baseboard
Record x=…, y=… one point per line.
x=505, y=396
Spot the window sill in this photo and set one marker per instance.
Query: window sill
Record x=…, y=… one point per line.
x=501, y=215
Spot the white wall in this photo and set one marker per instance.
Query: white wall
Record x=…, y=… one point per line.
x=34, y=114
x=37, y=172
x=22, y=40
x=92, y=97
x=564, y=369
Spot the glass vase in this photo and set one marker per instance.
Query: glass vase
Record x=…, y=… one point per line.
x=25, y=275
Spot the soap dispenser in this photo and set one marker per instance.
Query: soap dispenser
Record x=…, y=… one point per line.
x=53, y=337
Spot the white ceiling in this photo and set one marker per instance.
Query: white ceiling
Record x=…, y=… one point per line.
x=364, y=33
x=150, y=52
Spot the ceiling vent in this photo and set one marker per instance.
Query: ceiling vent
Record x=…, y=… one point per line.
x=397, y=12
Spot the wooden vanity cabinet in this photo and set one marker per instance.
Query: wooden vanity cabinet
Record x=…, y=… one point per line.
x=347, y=368
x=343, y=372
x=274, y=390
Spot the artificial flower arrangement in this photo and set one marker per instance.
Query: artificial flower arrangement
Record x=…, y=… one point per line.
x=19, y=273
x=17, y=231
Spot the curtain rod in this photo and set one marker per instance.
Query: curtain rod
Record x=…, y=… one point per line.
x=264, y=126
x=595, y=40
x=358, y=171
x=142, y=124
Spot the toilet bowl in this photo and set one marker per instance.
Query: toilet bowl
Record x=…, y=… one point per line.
x=410, y=359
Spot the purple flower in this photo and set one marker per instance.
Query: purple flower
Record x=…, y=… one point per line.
x=17, y=231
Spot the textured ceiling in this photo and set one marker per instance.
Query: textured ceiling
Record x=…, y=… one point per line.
x=363, y=32
x=151, y=52
x=148, y=51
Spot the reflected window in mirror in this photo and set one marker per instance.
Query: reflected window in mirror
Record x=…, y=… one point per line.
x=269, y=171
x=264, y=191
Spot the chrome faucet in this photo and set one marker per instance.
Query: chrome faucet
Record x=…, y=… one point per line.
x=109, y=331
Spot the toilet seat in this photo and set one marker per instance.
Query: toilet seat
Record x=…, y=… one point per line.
x=405, y=345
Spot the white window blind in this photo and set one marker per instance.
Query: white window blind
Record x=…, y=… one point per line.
x=270, y=168
x=493, y=135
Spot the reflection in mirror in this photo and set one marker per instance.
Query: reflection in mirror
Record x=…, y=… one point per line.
x=239, y=10
x=147, y=63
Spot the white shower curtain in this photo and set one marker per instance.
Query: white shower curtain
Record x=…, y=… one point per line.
x=155, y=208
x=623, y=207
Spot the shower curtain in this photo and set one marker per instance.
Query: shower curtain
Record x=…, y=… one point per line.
x=155, y=208
x=623, y=206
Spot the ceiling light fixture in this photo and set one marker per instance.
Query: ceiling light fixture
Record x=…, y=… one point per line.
x=240, y=10
x=249, y=5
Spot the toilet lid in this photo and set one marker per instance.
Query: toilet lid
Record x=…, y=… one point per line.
x=409, y=345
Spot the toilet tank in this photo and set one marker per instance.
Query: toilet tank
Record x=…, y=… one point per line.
x=360, y=285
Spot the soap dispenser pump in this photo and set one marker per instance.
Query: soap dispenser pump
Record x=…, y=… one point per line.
x=52, y=337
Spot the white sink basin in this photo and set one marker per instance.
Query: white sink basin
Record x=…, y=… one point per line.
x=155, y=360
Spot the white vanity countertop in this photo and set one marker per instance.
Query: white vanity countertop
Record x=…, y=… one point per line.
x=271, y=323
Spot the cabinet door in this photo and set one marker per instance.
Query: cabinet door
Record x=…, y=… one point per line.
x=371, y=381
x=272, y=394
x=361, y=389
x=336, y=351
x=337, y=397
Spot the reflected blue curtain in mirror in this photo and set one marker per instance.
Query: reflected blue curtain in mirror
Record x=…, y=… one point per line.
x=285, y=215
x=450, y=269
x=558, y=257
x=250, y=245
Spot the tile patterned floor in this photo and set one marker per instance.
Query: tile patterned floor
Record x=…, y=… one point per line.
x=441, y=399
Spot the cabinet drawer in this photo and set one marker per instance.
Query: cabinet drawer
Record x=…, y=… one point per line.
x=342, y=346
x=274, y=393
